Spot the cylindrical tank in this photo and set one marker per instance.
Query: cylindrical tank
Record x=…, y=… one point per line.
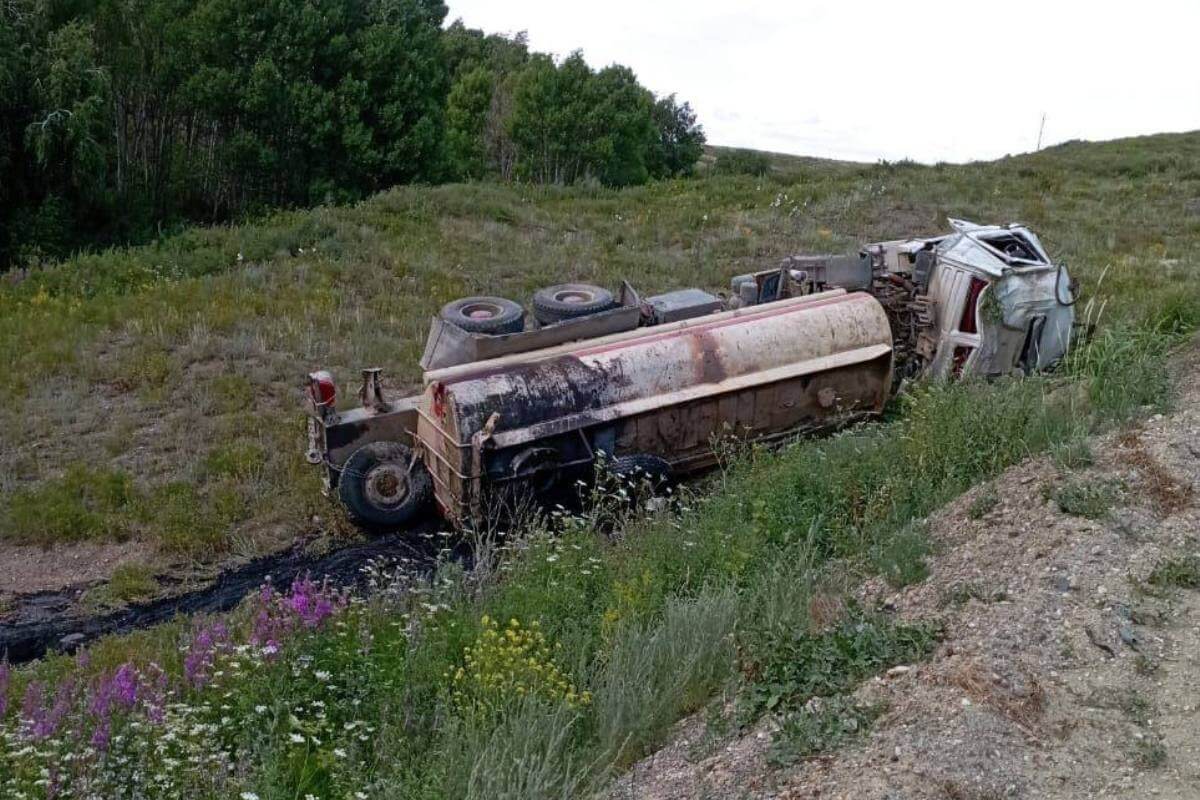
x=663, y=389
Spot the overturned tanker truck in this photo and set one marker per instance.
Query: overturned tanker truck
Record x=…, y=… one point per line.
x=646, y=384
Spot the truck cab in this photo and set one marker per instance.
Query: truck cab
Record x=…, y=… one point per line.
x=991, y=300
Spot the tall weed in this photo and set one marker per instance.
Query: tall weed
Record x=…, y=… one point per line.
x=657, y=672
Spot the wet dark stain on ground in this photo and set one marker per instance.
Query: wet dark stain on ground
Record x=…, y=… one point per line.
x=48, y=622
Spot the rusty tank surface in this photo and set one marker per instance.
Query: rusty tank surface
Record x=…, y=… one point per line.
x=662, y=392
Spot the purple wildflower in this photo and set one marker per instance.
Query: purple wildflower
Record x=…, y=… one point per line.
x=42, y=721
x=4, y=679
x=156, y=696
x=125, y=686
x=31, y=702
x=307, y=604
x=101, y=734
x=268, y=626
x=310, y=602
x=202, y=652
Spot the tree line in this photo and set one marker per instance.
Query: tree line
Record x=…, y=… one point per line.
x=120, y=119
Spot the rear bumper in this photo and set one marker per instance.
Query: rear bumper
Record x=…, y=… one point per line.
x=333, y=439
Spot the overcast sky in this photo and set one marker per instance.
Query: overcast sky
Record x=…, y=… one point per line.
x=922, y=79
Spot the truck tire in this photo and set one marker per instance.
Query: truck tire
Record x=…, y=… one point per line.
x=490, y=315
x=569, y=301
x=637, y=467
x=381, y=486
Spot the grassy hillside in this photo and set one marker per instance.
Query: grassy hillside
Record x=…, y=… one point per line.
x=153, y=392
x=568, y=654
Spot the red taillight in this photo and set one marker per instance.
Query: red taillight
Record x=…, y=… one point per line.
x=321, y=389
x=439, y=399
x=970, y=318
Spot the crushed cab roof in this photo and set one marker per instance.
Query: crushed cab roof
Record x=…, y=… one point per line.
x=994, y=249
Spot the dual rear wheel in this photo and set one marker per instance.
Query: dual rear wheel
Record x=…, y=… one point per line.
x=497, y=315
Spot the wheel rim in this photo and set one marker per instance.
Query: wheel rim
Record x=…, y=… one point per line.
x=573, y=296
x=481, y=311
x=386, y=486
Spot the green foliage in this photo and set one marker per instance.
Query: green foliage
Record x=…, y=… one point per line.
x=231, y=394
x=1149, y=752
x=238, y=459
x=742, y=162
x=119, y=120
x=1127, y=368
x=820, y=727
x=1073, y=454
x=1092, y=498
x=1176, y=573
x=900, y=558
x=467, y=113
x=655, y=673
x=790, y=669
x=527, y=755
x=569, y=122
x=680, y=140
x=983, y=503
x=179, y=520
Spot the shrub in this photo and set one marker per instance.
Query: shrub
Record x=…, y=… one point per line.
x=983, y=503
x=231, y=394
x=900, y=557
x=183, y=522
x=789, y=670
x=742, y=162
x=529, y=754
x=1092, y=499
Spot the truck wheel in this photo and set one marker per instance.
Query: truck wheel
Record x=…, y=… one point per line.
x=491, y=315
x=570, y=300
x=381, y=485
x=637, y=467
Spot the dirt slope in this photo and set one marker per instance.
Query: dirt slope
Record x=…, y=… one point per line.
x=1058, y=678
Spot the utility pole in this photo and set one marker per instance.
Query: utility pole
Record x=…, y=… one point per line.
x=1041, y=128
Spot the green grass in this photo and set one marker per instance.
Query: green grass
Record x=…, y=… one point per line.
x=84, y=503
x=198, y=341
x=129, y=582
